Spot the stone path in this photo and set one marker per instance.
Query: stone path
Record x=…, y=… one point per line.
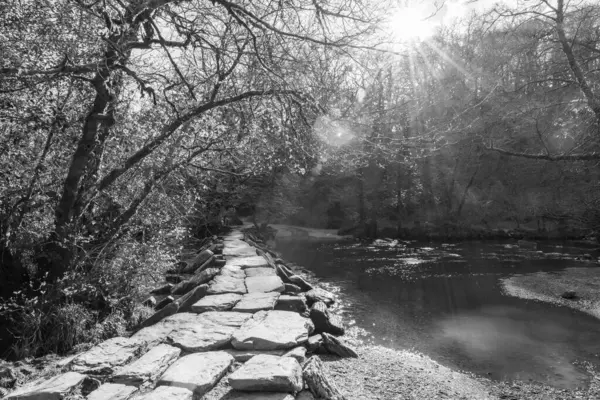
x=242, y=315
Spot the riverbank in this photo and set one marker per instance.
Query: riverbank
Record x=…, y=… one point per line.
x=549, y=287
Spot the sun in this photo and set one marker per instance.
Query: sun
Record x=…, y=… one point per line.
x=411, y=24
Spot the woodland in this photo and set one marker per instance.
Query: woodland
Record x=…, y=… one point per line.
x=131, y=127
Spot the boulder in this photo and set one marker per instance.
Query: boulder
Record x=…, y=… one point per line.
x=200, y=259
x=159, y=315
x=324, y=321
x=148, y=367
x=290, y=288
x=164, y=302
x=254, y=302
x=272, y=330
x=268, y=373
x=300, y=282
x=55, y=388
x=335, y=346
x=314, y=343
x=106, y=356
x=291, y=303
x=186, y=301
x=253, y=261
x=318, y=294
x=318, y=382
x=299, y=353
x=217, y=302
x=197, y=372
x=112, y=391
x=207, y=264
x=149, y=302
x=168, y=393
x=260, y=271
x=305, y=395
x=165, y=289
x=263, y=284
x=227, y=284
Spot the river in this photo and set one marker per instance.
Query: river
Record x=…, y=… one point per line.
x=446, y=301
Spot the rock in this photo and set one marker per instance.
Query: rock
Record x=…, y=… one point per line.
x=317, y=294
x=148, y=367
x=155, y=334
x=245, y=355
x=290, y=288
x=227, y=284
x=238, y=249
x=314, y=343
x=197, y=372
x=235, y=395
x=196, y=280
x=200, y=259
x=201, y=336
x=217, y=302
x=299, y=353
x=300, y=282
x=219, y=263
x=318, y=382
x=268, y=373
x=254, y=302
x=324, y=321
x=174, y=279
x=335, y=346
x=207, y=264
x=164, y=302
x=165, y=289
x=167, y=393
x=305, y=395
x=272, y=330
x=235, y=319
x=112, y=391
x=261, y=271
x=569, y=295
x=233, y=271
x=189, y=299
x=52, y=389
x=253, y=261
x=291, y=303
x=105, y=357
x=263, y=284
x=7, y=376
x=149, y=302
x=159, y=315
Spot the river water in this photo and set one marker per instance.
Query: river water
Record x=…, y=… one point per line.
x=446, y=301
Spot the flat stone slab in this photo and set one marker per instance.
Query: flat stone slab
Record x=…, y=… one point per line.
x=299, y=353
x=263, y=284
x=112, y=391
x=245, y=355
x=105, y=357
x=148, y=367
x=198, y=372
x=238, y=248
x=227, y=284
x=254, y=302
x=252, y=261
x=217, y=302
x=268, y=373
x=158, y=332
x=235, y=395
x=233, y=271
x=291, y=303
x=52, y=389
x=167, y=393
x=272, y=330
x=260, y=271
x=234, y=319
x=202, y=336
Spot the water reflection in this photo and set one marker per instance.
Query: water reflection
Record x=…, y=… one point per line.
x=455, y=312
